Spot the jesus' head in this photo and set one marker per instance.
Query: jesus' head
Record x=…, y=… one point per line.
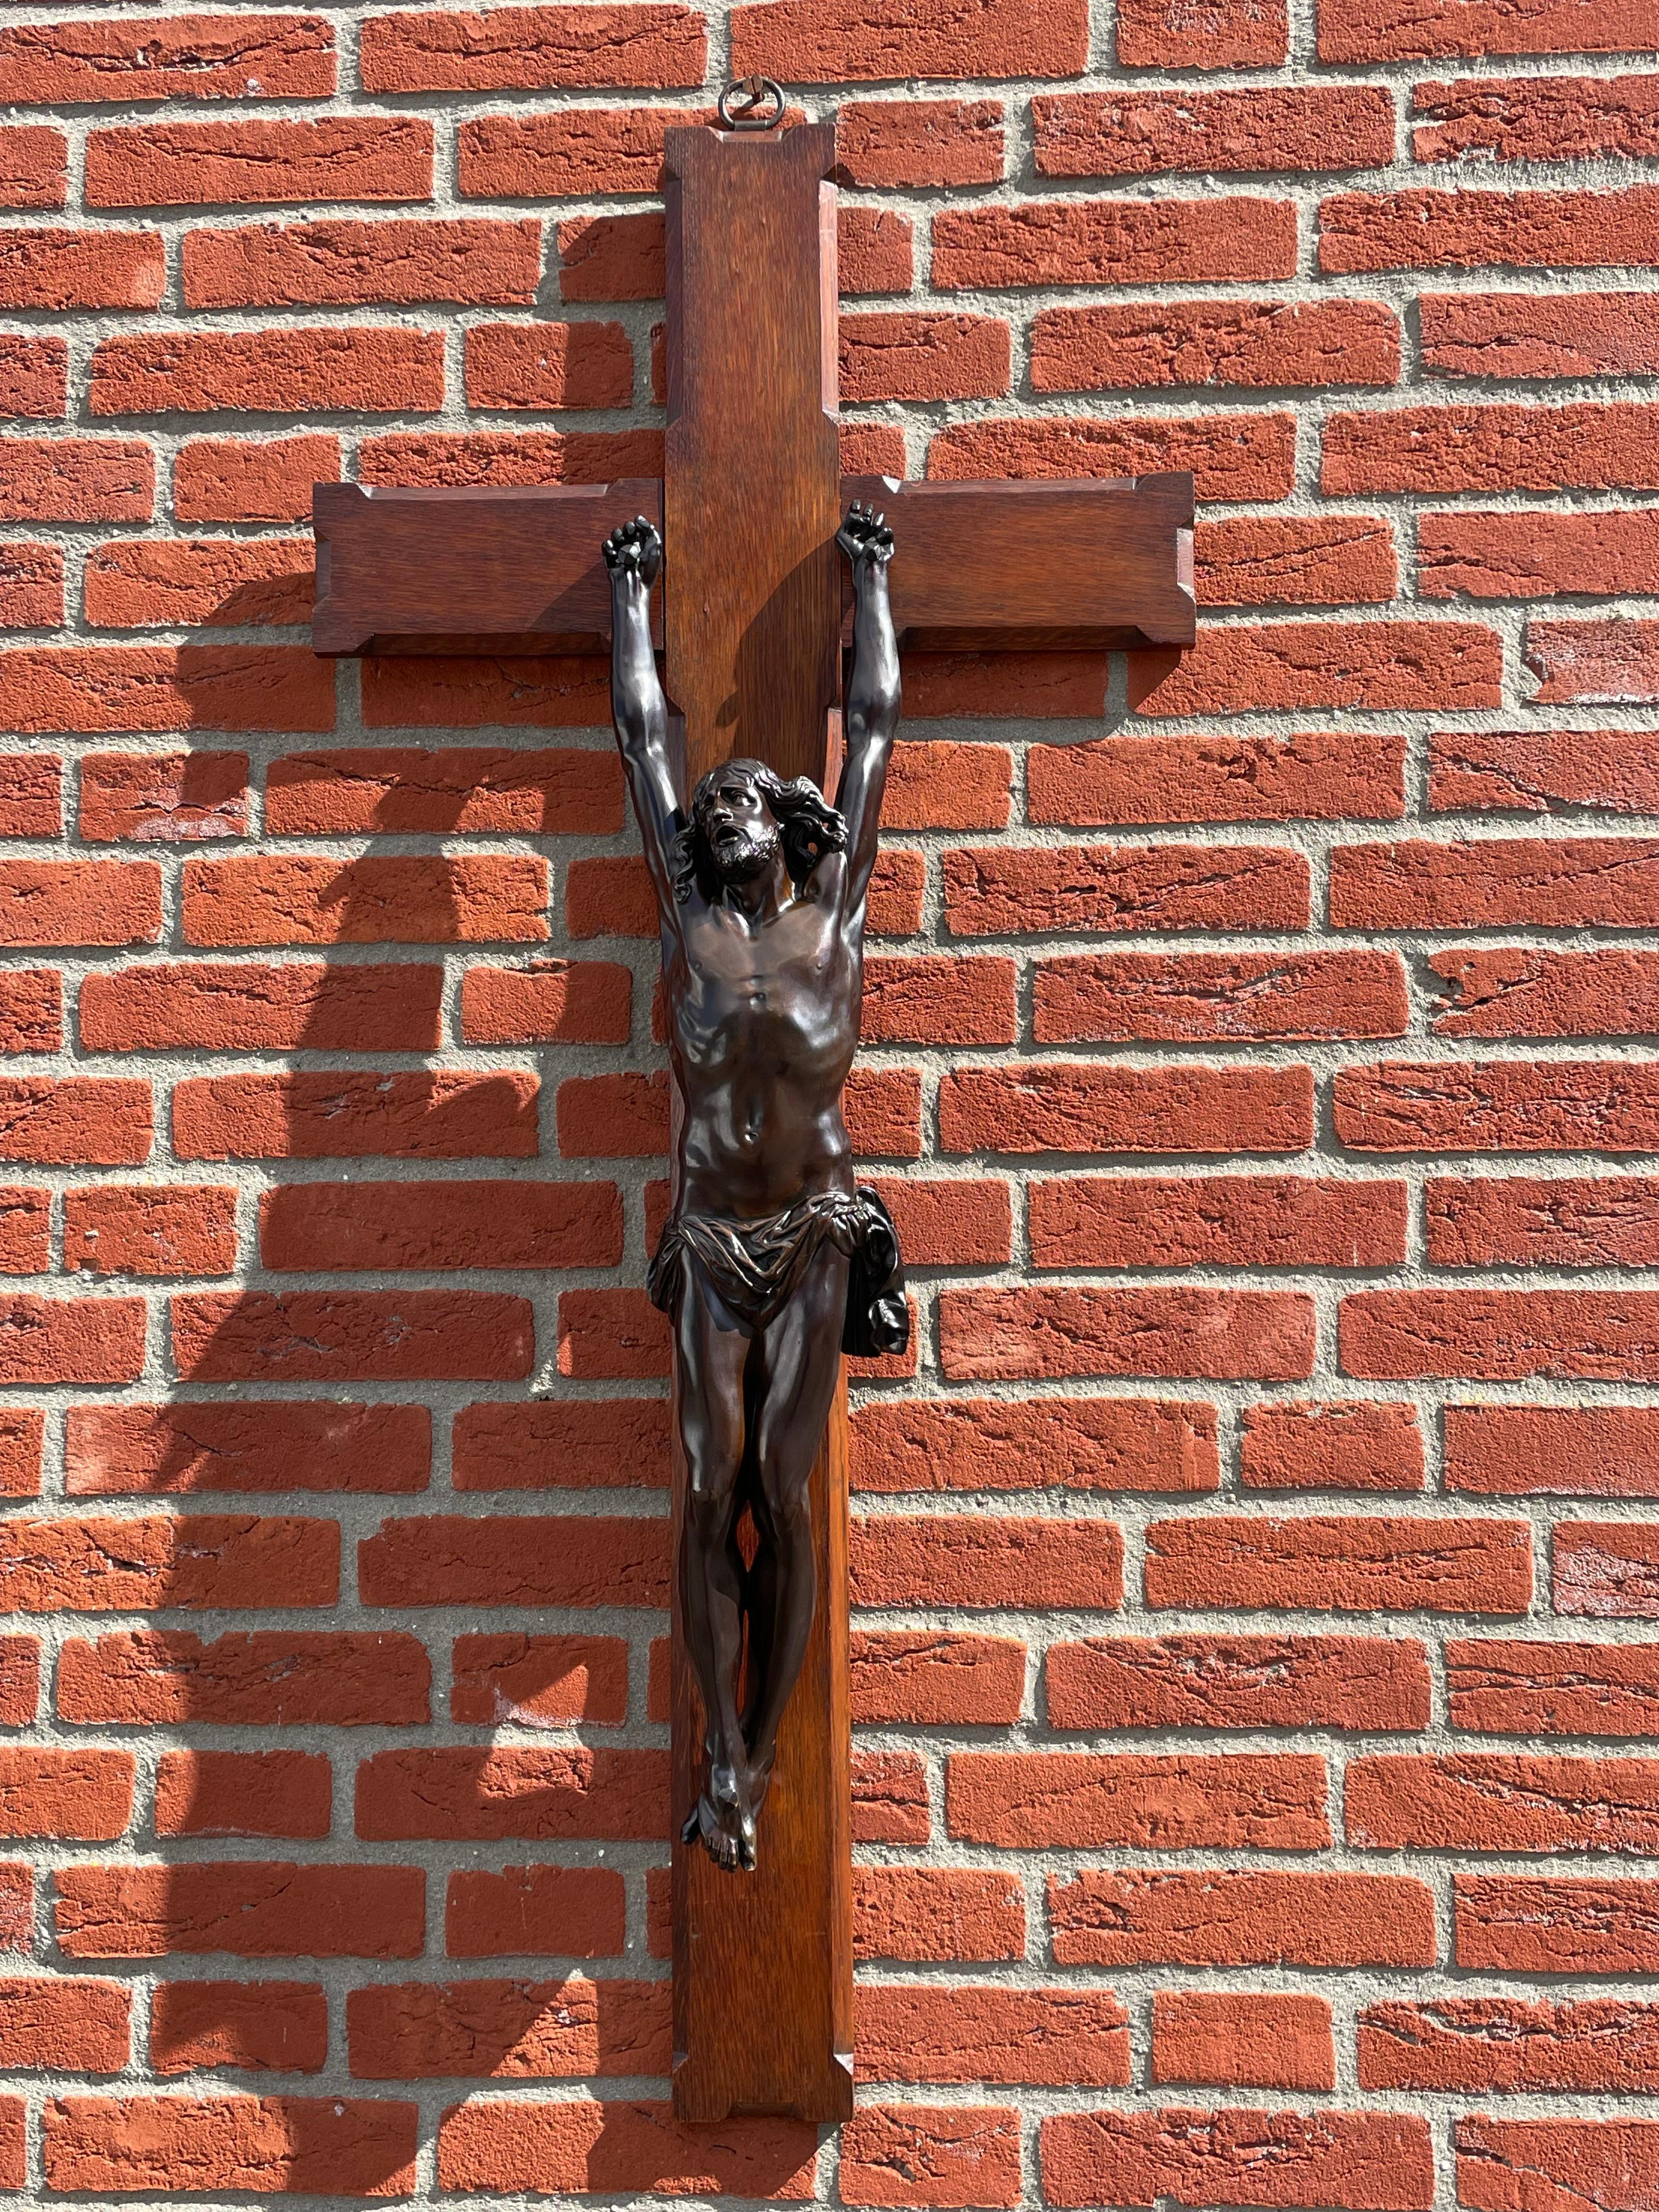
x=743, y=815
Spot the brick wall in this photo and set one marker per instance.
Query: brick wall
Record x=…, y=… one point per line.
x=1255, y=1568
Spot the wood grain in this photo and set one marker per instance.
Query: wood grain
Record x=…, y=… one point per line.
x=762, y=1962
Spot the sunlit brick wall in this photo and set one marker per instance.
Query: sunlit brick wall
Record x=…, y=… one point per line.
x=1253, y=1574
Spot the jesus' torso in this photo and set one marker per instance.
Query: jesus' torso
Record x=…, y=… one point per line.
x=764, y=1023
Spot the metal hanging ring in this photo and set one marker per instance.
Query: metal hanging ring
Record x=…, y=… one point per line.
x=752, y=91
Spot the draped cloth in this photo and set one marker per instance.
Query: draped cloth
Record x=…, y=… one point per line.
x=754, y=1265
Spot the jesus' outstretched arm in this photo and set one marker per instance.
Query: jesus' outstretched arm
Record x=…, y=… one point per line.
x=872, y=695
x=633, y=554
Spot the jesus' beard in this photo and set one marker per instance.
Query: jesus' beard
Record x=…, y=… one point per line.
x=743, y=855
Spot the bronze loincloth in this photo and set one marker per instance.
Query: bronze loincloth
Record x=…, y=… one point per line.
x=755, y=1266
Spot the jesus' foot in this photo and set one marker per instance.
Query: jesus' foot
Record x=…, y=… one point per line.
x=722, y=1823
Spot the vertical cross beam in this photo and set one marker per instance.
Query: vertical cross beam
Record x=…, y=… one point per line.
x=762, y=1962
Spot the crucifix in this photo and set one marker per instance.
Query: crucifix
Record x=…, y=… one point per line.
x=768, y=558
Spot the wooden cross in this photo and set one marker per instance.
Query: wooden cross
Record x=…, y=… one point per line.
x=752, y=603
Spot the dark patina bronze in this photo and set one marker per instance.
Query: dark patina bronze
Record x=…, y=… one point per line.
x=772, y=1259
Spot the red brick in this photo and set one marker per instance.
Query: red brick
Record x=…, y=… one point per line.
x=347, y=1336
x=1205, y=998
x=67, y=269
x=573, y=152
x=68, y=2024
x=269, y=2026
x=216, y=1006
x=337, y=157
x=1007, y=890
x=547, y=1002
x=517, y=691
x=952, y=998
x=160, y=797
x=409, y=2031
x=172, y=1229
x=1565, y=334
x=1499, y=448
x=1252, y=2041
x=890, y=1798
x=23, y=1433
x=436, y=1226
x=1131, y=133
x=74, y=480
x=1242, y=1918
x=284, y=372
x=214, y=582
x=101, y=1566
x=918, y=1914
x=1346, y=1444
x=1321, y=775
x=1065, y=2039
x=574, y=2145
x=1288, y=561
x=1500, y=1336
x=1580, y=1451
x=1032, y=1334
x=1184, y=1801
x=955, y=1221
x=547, y=1444
x=1351, y=1564
x=20, y=1679
x=1500, y=1105
x=34, y=161
x=539, y=1681
x=71, y=1341
x=538, y=365
x=255, y=1910
x=1366, y=665
x=1505, y=2164
x=547, y=1794
x=935, y=784
x=440, y=693
x=919, y=2154
x=898, y=1676
x=611, y=1335
x=270, y=2145
x=534, y=1911
x=644, y=42
x=534, y=1559
x=1237, y=1683
x=241, y=1792
x=1113, y=241
x=24, y=1231
x=1366, y=2161
x=31, y=585
x=342, y=1116
x=620, y=1116
x=1406, y=30
x=79, y=903
x=1202, y=33
x=993, y=1443
x=1599, y=662
x=1606, y=1570
x=1538, y=118
x=1536, y=556
x=905, y=143
x=1474, y=230
x=1495, y=883
x=1231, y=456
x=1483, y=2043
x=1514, y=1688
x=1491, y=1802
x=896, y=892
x=166, y=687
x=1533, y=771
x=249, y=480
x=267, y=1678
x=17, y=1909
x=34, y=381
x=1527, y=991
x=922, y=357
x=71, y=64
x=1209, y=343
x=1050, y=1106
x=962, y=1560
x=362, y=263
x=1544, y=1927
x=1216, y=1221
x=612, y=257
x=848, y=41
x=609, y=895
x=1538, y=1221
x=86, y=1795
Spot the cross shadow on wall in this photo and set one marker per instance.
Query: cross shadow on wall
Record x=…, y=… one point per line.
x=304, y=1396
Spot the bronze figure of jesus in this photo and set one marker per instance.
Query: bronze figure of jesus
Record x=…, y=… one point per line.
x=772, y=1259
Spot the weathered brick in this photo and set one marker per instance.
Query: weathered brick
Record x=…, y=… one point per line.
x=1093, y=134
x=1365, y=2161
x=340, y=157
x=993, y=1443
x=132, y=58
x=1242, y=1918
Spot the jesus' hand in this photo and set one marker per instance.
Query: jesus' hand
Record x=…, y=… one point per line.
x=634, y=549
x=865, y=537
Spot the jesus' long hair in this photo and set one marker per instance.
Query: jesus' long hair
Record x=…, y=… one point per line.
x=809, y=825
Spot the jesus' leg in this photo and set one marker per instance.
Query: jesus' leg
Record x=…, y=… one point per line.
x=711, y=1351
x=800, y=1357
